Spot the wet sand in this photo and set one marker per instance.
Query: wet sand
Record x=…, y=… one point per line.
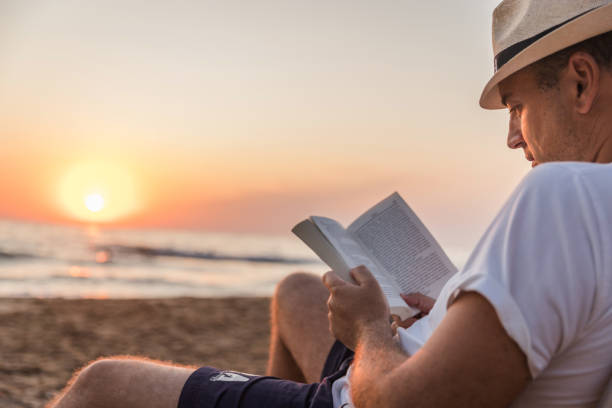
x=42, y=341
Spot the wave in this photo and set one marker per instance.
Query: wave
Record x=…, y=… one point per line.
x=151, y=252
x=115, y=251
x=9, y=256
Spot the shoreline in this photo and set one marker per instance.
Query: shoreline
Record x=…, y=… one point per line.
x=45, y=340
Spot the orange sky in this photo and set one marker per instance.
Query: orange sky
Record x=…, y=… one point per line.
x=232, y=117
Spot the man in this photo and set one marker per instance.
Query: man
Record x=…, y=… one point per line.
x=527, y=322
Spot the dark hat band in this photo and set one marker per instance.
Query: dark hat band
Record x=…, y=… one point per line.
x=507, y=54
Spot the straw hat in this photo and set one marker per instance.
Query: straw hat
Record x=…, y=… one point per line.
x=525, y=31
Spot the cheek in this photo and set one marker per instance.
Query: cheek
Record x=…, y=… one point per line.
x=527, y=129
x=532, y=130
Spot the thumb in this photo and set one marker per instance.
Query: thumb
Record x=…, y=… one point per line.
x=331, y=279
x=419, y=301
x=363, y=276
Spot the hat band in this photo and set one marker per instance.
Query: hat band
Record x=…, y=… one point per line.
x=506, y=55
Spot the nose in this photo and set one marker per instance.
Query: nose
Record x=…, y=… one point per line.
x=515, y=134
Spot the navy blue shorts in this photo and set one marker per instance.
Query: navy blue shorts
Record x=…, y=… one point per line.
x=208, y=387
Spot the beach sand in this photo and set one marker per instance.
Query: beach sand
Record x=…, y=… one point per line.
x=42, y=341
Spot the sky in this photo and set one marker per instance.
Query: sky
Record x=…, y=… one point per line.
x=249, y=116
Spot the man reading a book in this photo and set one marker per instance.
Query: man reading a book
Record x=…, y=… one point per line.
x=527, y=322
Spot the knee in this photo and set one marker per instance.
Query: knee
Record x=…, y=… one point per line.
x=298, y=289
x=295, y=284
x=96, y=379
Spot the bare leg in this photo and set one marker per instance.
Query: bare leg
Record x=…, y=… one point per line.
x=125, y=382
x=300, y=339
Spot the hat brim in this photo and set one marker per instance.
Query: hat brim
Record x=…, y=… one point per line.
x=591, y=24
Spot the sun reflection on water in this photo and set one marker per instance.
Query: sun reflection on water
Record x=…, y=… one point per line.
x=79, y=272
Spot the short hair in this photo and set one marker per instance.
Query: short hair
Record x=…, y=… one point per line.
x=547, y=69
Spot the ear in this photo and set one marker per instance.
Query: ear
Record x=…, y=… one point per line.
x=584, y=78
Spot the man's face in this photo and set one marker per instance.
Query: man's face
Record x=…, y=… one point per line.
x=541, y=121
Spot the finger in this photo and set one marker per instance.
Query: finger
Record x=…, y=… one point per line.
x=419, y=301
x=363, y=276
x=330, y=303
x=331, y=280
x=411, y=299
x=407, y=323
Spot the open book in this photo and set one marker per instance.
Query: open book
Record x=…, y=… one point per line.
x=391, y=241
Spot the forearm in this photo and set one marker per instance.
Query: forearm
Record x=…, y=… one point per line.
x=454, y=368
x=377, y=356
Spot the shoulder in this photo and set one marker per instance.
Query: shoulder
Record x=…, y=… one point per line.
x=559, y=205
x=540, y=264
x=566, y=175
x=576, y=189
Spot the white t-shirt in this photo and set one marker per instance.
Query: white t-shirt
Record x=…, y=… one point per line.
x=545, y=264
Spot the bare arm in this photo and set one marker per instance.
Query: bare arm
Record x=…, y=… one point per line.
x=469, y=361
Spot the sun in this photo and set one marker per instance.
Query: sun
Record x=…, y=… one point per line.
x=98, y=191
x=94, y=202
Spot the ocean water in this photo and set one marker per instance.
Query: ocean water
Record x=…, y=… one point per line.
x=38, y=260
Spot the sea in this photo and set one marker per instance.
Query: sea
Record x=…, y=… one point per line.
x=41, y=260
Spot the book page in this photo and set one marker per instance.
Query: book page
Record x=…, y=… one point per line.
x=354, y=255
x=400, y=243
x=312, y=236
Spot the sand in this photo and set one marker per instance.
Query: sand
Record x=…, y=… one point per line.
x=42, y=341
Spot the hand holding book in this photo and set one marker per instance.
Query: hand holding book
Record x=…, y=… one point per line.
x=356, y=309
x=417, y=301
x=391, y=241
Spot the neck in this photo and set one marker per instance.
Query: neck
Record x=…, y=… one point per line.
x=604, y=155
x=603, y=129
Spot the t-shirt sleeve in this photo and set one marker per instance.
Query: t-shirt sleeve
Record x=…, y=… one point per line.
x=536, y=263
